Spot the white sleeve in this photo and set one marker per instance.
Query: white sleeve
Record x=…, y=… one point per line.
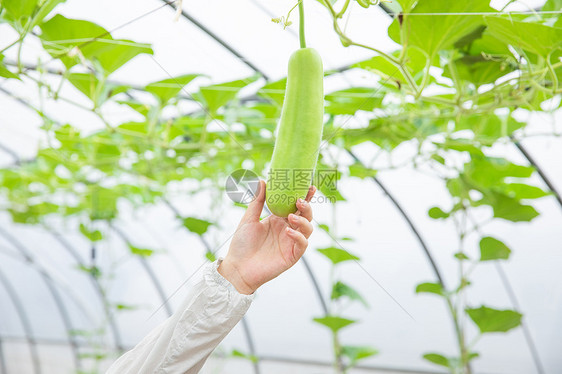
x=182, y=343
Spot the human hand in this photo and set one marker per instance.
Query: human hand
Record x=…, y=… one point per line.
x=261, y=250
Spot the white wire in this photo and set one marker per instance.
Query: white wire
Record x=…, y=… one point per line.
x=529, y=12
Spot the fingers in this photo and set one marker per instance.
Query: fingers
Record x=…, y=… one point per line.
x=301, y=224
x=305, y=210
x=255, y=208
x=300, y=243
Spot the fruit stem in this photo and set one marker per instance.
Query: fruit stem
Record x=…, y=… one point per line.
x=301, y=24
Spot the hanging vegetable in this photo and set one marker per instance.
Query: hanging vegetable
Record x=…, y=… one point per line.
x=299, y=133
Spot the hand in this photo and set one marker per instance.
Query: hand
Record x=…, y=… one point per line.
x=261, y=250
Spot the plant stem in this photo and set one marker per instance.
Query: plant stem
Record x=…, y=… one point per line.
x=343, y=10
x=301, y=24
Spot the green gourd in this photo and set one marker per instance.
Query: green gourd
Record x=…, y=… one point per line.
x=299, y=133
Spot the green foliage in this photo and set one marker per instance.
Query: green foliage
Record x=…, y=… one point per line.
x=334, y=323
x=357, y=353
x=337, y=255
x=435, y=288
x=493, y=320
x=70, y=40
x=143, y=252
x=493, y=249
x=196, y=225
x=340, y=289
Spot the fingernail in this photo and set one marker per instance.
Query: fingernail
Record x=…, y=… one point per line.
x=293, y=217
x=289, y=230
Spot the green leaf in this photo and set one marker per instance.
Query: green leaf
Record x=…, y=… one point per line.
x=340, y=289
x=530, y=36
x=524, y=191
x=360, y=171
x=479, y=70
x=20, y=8
x=490, y=172
x=217, y=95
x=337, y=255
x=351, y=100
x=461, y=256
x=166, y=89
x=210, y=256
x=240, y=354
x=4, y=72
x=60, y=35
x=196, y=225
x=493, y=320
x=437, y=213
x=493, y=249
x=552, y=5
x=435, y=288
x=97, y=91
x=509, y=208
x=334, y=323
x=431, y=36
x=324, y=227
x=143, y=252
x=92, y=235
x=44, y=10
x=437, y=359
x=356, y=353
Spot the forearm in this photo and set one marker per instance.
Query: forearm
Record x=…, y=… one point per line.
x=184, y=341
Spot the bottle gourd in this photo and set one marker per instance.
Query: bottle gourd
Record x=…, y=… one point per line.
x=299, y=133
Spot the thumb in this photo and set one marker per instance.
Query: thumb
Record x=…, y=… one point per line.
x=255, y=208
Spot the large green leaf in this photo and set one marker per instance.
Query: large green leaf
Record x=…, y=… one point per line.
x=552, y=5
x=19, y=9
x=334, y=323
x=493, y=249
x=493, y=320
x=530, y=36
x=60, y=36
x=166, y=89
x=44, y=10
x=432, y=35
x=337, y=255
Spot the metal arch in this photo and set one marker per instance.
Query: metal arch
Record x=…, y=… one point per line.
x=97, y=286
x=219, y=40
x=539, y=170
x=22, y=315
x=54, y=294
x=148, y=270
x=251, y=346
x=408, y=221
x=315, y=284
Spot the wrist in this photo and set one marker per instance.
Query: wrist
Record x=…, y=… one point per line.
x=230, y=272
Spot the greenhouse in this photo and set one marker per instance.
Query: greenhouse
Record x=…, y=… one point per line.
x=271, y=186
